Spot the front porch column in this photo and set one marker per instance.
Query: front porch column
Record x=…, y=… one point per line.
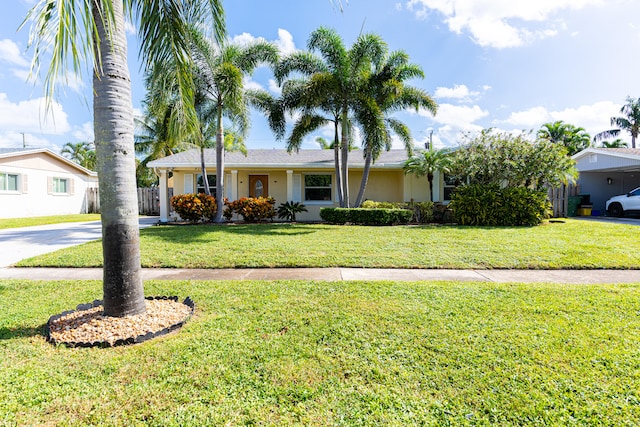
x=289, y=185
x=164, y=195
x=234, y=185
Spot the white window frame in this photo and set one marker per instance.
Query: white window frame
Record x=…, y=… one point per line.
x=6, y=183
x=304, y=189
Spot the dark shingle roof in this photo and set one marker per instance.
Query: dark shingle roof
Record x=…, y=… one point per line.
x=278, y=158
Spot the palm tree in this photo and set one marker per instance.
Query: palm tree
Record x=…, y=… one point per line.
x=77, y=30
x=616, y=143
x=81, y=153
x=575, y=139
x=428, y=163
x=331, y=84
x=385, y=93
x=630, y=122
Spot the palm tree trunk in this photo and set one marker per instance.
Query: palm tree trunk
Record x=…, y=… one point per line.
x=336, y=159
x=203, y=170
x=220, y=167
x=633, y=140
x=365, y=177
x=345, y=160
x=123, y=291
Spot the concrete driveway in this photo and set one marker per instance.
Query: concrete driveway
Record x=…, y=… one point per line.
x=20, y=243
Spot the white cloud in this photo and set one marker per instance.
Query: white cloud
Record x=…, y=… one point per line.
x=85, y=131
x=500, y=23
x=274, y=88
x=460, y=92
x=29, y=116
x=284, y=43
x=453, y=121
x=10, y=54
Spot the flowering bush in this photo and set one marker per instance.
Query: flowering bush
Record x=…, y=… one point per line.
x=251, y=209
x=194, y=207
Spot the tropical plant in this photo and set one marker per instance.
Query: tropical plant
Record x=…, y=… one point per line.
x=630, y=122
x=328, y=91
x=72, y=31
x=616, y=143
x=82, y=153
x=575, y=139
x=428, y=163
x=386, y=92
x=288, y=210
x=194, y=207
x=251, y=209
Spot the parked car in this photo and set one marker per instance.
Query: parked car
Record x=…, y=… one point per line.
x=625, y=203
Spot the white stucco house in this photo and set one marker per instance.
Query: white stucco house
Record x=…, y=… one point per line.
x=607, y=172
x=39, y=182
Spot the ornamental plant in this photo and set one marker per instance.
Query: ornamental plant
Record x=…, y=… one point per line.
x=288, y=210
x=194, y=207
x=252, y=209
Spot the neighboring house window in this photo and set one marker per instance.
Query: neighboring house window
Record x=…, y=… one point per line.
x=60, y=186
x=450, y=184
x=200, y=184
x=8, y=182
x=317, y=187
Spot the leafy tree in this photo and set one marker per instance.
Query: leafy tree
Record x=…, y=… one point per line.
x=630, y=122
x=616, y=143
x=329, y=89
x=507, y=160
x=81, y=153
x=73, y=31
x=575, y=139
x=428, y=163
x=386, y=92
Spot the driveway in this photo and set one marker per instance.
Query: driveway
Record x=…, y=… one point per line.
x=25, y=242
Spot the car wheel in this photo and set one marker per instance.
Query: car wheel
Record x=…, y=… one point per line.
x=615, y=209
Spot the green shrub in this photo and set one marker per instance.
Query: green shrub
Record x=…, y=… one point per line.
x=362, y=216
x=288, y=210
x=194, y=207
x=422, y=211
x=490, y=205
x=370, y=204
x=251, y=209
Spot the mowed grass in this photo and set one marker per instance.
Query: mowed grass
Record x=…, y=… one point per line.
x=324, y=353
x=44, y=220
x=573, y=244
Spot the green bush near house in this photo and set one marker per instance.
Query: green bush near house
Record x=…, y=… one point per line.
x=362, y=216
x=423, y=212
x=251, y=209
x=490, y=205
x=194, y=207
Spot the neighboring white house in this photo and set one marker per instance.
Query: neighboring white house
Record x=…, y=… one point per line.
x=606, y=172
x=39, y=182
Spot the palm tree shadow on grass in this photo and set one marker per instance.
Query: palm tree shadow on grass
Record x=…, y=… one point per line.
x=195, y=232
x=7, y=333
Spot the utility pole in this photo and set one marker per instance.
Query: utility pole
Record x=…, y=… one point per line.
x=24, y=144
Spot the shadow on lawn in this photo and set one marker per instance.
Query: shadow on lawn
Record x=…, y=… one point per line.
x=21, y=332
x=194, y=231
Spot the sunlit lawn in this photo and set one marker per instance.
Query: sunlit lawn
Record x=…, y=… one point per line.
x=44, y=220
x=571, y=244
x=327, y=353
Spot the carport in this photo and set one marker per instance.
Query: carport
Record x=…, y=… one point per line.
x=607, y=172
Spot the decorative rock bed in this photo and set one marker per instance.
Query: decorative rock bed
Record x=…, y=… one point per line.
x=87, y=327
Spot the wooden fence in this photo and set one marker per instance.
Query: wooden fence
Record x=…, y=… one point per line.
x=148, y=200
x=559, y=197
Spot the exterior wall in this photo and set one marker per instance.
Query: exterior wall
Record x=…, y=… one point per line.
x=34, y=198
x=596, y=185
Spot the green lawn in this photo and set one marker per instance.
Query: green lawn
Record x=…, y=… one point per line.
x=43, y=220
x=573, y=244
x=335, y=353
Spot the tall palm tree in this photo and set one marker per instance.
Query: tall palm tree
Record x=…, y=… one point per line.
x=73, y=31
x=384, y=94
x=616, y=143
x=575, y=139
x=331, y=84
x=81, y=153
x=630, y=122
x=428, y=163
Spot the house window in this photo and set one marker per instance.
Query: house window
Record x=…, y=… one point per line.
x=317, y=187
x=200, y=184
x=450, y=184
x=8, y=182
x=60, y=186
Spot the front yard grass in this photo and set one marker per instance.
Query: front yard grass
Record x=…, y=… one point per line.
x=44, y=220
x=573, y=244
x=335, y=353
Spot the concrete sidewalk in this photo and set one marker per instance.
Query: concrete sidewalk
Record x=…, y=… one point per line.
x=336, y=274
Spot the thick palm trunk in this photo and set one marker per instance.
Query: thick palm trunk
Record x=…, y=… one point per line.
x=345, y=160
x=365, y=177
x=123, y=291
x=203, y=170
x=336, y=159
x=219, y=167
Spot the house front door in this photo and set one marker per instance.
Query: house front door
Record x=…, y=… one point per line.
x=258, y=185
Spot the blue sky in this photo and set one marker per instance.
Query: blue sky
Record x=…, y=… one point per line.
x=508, y=64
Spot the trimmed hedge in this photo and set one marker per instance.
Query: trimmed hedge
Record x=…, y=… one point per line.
x=362, y=216
x=423, y=212
x=494, y=206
